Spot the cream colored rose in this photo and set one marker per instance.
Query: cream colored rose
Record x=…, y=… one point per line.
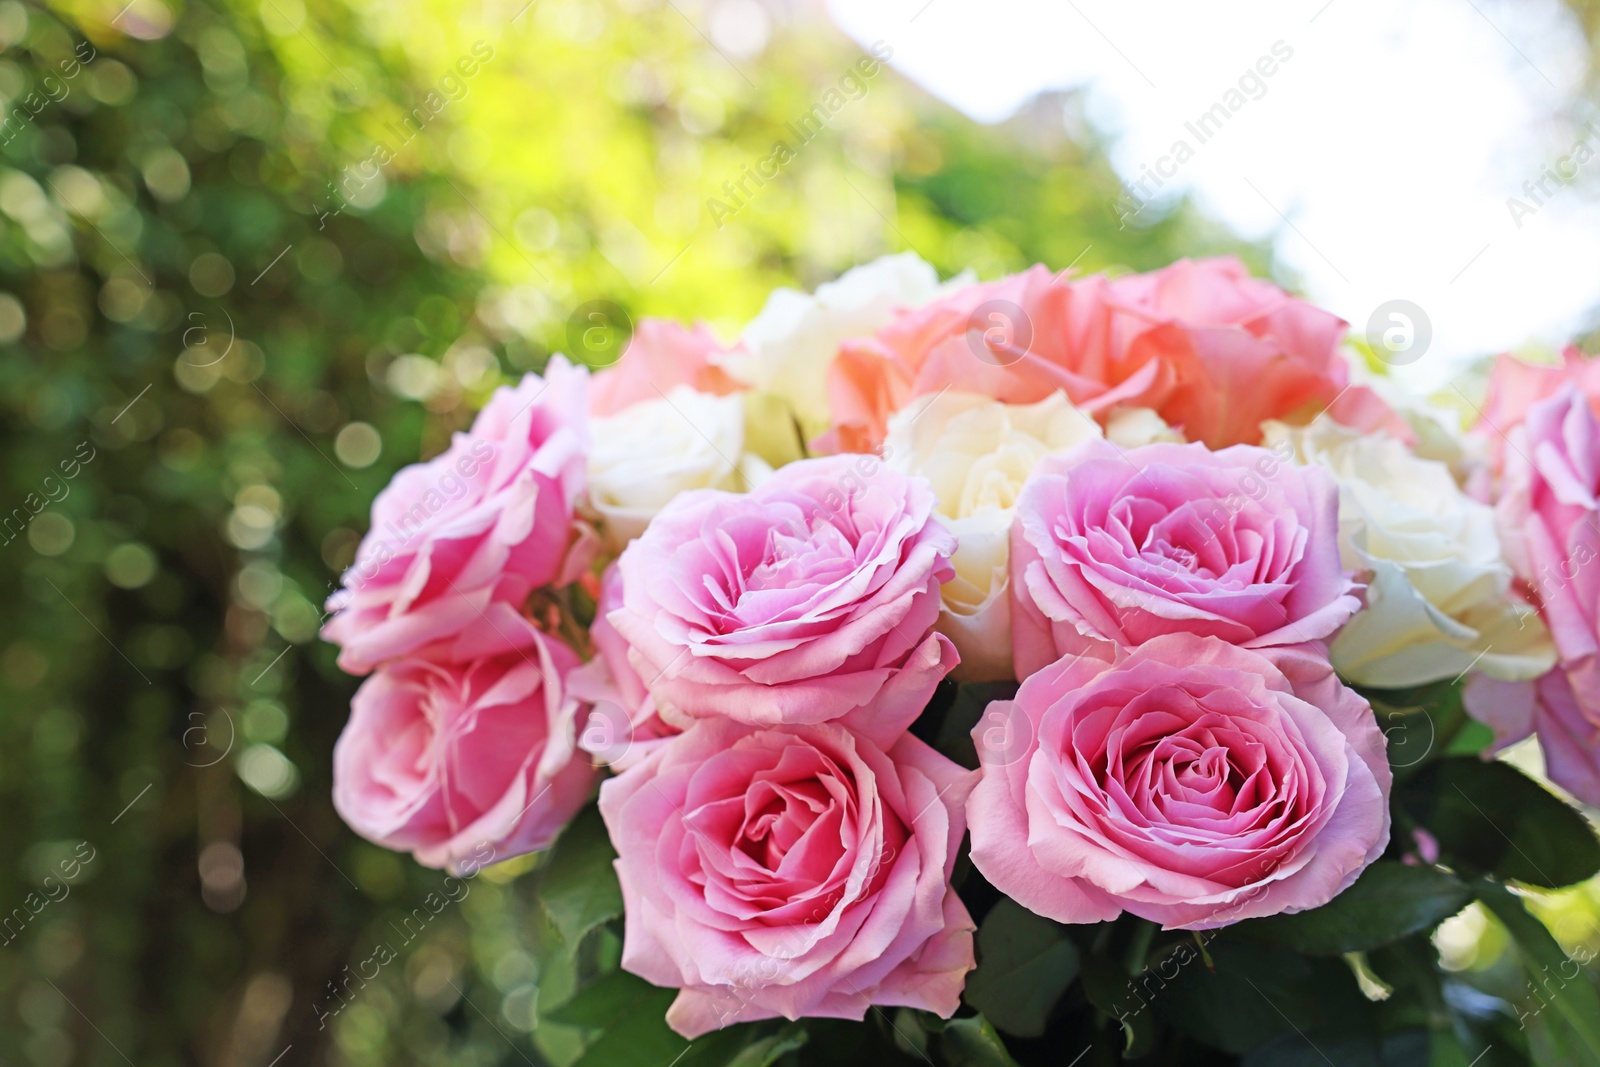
x=1439, y=599
x=978, y=452
x=1131, y=427
x=787, y=348
x=651, y=451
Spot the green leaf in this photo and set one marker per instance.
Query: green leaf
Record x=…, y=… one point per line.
x=1110, y=988
x=1025, y=963
x=761, y=1053
x=1417, y=722
x=604, y=1000
x=631, y=1015
x=1473, y=738
x=973, y=1043
x=579, y=889
x=1575, y=1000
x=1256, y=993
x=743, y=1045
x=1492, y=818
x=1388, y=902
x=1318, y=1048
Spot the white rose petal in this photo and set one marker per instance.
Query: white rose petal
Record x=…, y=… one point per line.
x=1439, y=600
x=650, y=452
x=977, y=453
x=787, y=348
x=1132, y=427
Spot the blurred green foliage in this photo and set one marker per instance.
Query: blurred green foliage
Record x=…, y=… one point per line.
x=237, y=292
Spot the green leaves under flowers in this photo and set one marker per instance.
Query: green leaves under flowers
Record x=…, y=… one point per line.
x=630, y=1014
x=1255, y=994
x=1408, y=1048
x=1417, y=723
x=1388, y=902
x=1025, y=963
x=1492, y=818
x=579, y=889
x=1109, y=988
x=1552, y=974
x=973, y=1043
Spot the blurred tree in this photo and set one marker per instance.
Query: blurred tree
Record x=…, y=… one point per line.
x=253, y=259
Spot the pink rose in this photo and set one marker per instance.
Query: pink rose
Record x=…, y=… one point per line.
x=795, y=871
x=467, y=744
x=1117, y=547
x=1242, y=350
x=660, y=355
x=1549, y=519
x=1193, y=784
x=1568, y=727
x=809, y=599
x=623, y=726
x=486, y=522
x=1515, y=386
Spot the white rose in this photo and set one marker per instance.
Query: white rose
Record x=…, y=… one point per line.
x=787, y=348
x=977, y=453
x=651, y=451
x=1439, y=602
x=1131, y=427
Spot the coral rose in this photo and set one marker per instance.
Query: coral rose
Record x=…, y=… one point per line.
x=1193, y=784
x=486, y=522
x=796, y=871
x=1214, y=352
x=1241, y=349
x=1016, y=340
x=809, y=599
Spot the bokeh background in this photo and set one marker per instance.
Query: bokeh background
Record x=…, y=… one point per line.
x=254, y=257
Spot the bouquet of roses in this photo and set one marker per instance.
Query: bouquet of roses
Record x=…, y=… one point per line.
x=1025, y=667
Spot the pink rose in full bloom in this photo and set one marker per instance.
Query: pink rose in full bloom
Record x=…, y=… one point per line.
x=623, y=726
x=466, y=744
x=791, y=871
x=1116, y=547
x=1549, y=519
x=1214, y=351
x=485, y=522
x=811, y=598
x=660, y=356
x=1193, y=783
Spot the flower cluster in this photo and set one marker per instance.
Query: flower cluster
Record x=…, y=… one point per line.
x=724, y=582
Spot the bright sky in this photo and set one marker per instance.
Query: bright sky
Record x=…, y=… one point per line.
x=1379, y=157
